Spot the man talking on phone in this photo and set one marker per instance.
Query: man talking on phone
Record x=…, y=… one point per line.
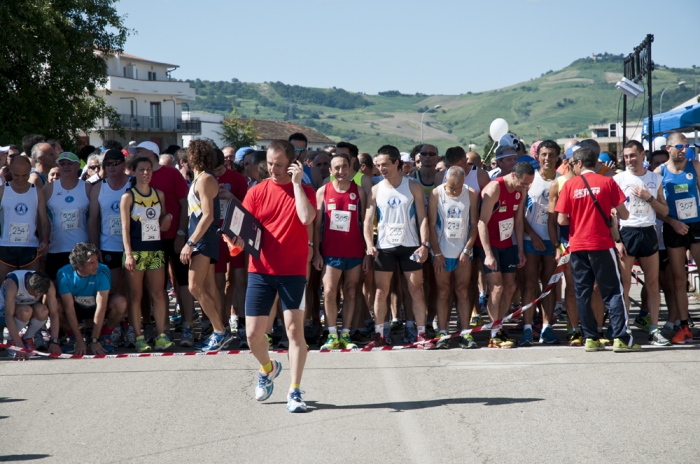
x=285, y=208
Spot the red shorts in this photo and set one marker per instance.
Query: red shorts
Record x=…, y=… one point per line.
x=237, y=262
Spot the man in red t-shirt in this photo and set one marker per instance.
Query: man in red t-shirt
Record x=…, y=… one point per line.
x=593, y=254
x=285, y=208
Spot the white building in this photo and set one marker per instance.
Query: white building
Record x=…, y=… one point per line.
x=148, y=102
x=211, y=126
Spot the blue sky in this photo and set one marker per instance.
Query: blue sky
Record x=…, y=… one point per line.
x=433, y=47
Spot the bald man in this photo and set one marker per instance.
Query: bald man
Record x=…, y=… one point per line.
x=43, y=159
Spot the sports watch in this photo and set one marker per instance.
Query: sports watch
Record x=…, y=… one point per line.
x=190, y=243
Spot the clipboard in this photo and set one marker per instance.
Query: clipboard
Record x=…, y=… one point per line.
x=239, y=222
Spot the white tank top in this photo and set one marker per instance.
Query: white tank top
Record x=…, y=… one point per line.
x=536, y=213
x=452, y=222
x=472, y=180
x=641, y=212
x=23, y=296
x=111, y=227
x=68, y=210
x=19, y=217
x=397, y=216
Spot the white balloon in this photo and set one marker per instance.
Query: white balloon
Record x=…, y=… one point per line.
x=659, y=143
x=499, y=128
x=645, y=144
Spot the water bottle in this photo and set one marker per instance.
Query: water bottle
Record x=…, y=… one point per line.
x=415, y=257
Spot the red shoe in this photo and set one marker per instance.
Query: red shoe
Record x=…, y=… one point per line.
x=683, y=336
x=377, y=341
x=424, y=342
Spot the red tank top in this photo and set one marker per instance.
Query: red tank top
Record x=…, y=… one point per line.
x=502, y=223
x=341, y=230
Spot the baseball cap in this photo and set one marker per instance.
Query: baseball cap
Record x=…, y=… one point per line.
x=149, y=146
x=604, y=157
x=508, y=142
x=113, y=154
x=406, y=157
x=531, y=160
x=241, y=152
x=570, y=151
x=534, y=147
x=66, y=155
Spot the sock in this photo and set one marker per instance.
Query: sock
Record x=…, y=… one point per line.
x=333, y=330
x=668, y=325
x=410, y=323
x=106, y=330
x=379, y=328
x=443, y=332
x=545, y=326
x=421, y=329
x=677, y=323
x=345, y=331
x=600, y=329
x=527, y=326
x=294, y=386
x=684, y=323
x=652, y=328
x=574, y=329
x=266, y=368
x=221, y=334
x=394, y=319
x=33, y=328
x=642, y=314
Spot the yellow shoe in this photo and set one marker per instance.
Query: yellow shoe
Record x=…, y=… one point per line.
x=346, y=342
x=332, y=343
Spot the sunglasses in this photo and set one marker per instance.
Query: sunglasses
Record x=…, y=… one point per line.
x=300, y=150
x=92, y=168
x=111, y=165
x=680, y=146
x=428, y=153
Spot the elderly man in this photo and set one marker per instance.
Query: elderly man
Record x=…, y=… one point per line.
x=506, y=156
x=43, y=159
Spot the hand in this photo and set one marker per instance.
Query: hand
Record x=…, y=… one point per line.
x=129, y=262
x=490, y=262
x=317, y=261
x=80, y=347
x=611, y=166
x=367, y=263
x=558, y=254
x=422, y=254
x=238, y=242
x=372, y=251
x=621, y=251
x=55, y=349
x=179, y=243
x=43, y=248
x=537, y=242
x=521, y=259
x=97, y=348
x=463, y=260
x=613, y=212
x=641, y=192
x=19, y=355
x=438, y=264
x=165, y=223
x=680, y=227
x=224, y=194
x=186, y=254
x=296, y=170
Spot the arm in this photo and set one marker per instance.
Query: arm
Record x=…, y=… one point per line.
x=207, y=188
x=52, y=305
x=366, y=186
x=94, y=216
x=125, y=212
x=473, y=218
x=69, y=311
x=489, y=198
x=438, y=259
x=622, y=211
x=422, y=218
x=482, y=177
x=519, y=230
x=438, y=178
x=659, y=203
x=44, y=227
x=369, y=223
x=552, y=217
x=316, y=237
x=184, y=218
x=101, y=299
x=563, y=219
x=165, y=217
x=305, y=210
x=36, y=180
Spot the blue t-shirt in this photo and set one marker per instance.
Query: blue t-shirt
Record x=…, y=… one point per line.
x=83, y=289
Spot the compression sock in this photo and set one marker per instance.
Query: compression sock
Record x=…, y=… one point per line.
x=266, y=368
x=33, y=328
x=333, y=330
x=20, y=325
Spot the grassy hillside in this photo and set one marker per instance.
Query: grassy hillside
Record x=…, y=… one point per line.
x=562, y=103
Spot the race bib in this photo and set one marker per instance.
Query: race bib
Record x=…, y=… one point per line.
x=542, y=215
x=395, y=233
x=505, y=228
x=340, y=220
x=19, y=232
x=454, y=228
x=115, y=225
x=638, y=206
x=86, y=301
x=150, y=230
x=686, y=208
x=223, y=204
x=70, y=219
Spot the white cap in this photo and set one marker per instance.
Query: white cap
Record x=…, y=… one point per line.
x=406, y=157
x=149, y=146
x=5, y=149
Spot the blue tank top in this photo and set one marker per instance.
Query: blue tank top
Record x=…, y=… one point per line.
x=194, y=206
x=681, y=192
x=307, y=178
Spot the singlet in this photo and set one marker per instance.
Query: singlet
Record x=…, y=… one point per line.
x=537, y=212
x=641, y=212
x=397, y=216
x=502, y=223
x=194, y=210
x=41, y=176
x=471, y=180
x=452, y=224
x=357, y=178
x=681, y=192
x=111, y=227
x=68, y=211
x=341, y=229
x=19, y=217
x=427, y=189
x=144, y=228
x=23, y=296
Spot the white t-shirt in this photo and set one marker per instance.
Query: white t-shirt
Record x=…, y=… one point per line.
x=641, y=212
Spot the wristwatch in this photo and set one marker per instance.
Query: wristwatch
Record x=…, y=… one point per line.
x=425, y=244
x=181, y=233
x=94, y=340
x=190, y=243
x=468, y=251
x=311, y=244
x=650, y=199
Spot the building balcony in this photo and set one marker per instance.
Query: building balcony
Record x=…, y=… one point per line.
x=153, y=124
x=181, y=90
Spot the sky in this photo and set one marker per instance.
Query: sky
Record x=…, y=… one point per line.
x=433, y=47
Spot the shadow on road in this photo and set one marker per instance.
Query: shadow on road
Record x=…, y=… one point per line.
x=4, y=399
x=23, y=457
x=399, y=406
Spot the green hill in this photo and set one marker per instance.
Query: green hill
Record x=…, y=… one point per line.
x=562, y=103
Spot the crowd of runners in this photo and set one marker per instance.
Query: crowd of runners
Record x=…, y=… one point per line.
x=121, y=247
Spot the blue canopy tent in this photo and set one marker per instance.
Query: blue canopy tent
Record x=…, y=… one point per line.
x=684, y=120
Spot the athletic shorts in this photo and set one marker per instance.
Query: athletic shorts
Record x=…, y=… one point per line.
x=54, y=262
x=237, y=262
x=16, y=256
x=147, y=260
x=564, y=235
x=673, y=240
x=112, y=259
x=82, y=313
x=663, y=260
x=210, y=249
x=344, y=264
x=506, y=259
x=181, y=270
x=640, y=242
x=530, y=248
x=262, y=289
x=450, y=264
x=388, y=258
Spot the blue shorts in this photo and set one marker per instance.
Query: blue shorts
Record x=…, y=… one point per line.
x=530, y=248
x=262, y=289
x=208, y=248
x=344, y=264
x=450, y=263
x=506, y=259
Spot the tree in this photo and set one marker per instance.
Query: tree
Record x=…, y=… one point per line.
x=238, y=133
x=52, y=63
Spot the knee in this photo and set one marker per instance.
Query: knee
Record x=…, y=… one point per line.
x=443, y=291
x=461, y=291
x=41, y=312
x=195, y=288
x=510, y=288
x=23, y=313
x=117, y=305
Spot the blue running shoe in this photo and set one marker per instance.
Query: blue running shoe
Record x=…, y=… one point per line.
x=215, y=342
x=547, y=337
x=265, y=382
x=526, y=339
x=106, y=342
x=410, y=334
x=294, y=401
x=69, y=347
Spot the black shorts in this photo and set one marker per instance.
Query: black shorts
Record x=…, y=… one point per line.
x=181, y=270
x=388, y=258
x=640, y=242
x=262, y=289
x=17, y=256
x=663, y=260
x=112, y=259
x=506, y=259
x=54, y=262
x=84, y=313
x=673, y=240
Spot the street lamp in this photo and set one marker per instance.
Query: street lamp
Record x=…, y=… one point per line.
x=421, y=120
x=661, y=100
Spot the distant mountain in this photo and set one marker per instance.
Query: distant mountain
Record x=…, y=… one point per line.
x=562, y=103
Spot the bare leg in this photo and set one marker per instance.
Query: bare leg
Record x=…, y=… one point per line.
x=202, y=285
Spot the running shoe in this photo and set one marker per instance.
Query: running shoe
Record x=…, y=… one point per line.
x=548, y=338
x=176, y=320
x=39, y=342
x=216, y=342
x=444, y=342
x=656, y=338
x=294, y=401
x=116, y=337
x=410, y=334
x=668, y=333
x=435, y=324
x=106, y=342
x=603, y=339
x=269, y=341
x=163, y=342
x=682, y=336
x=266, y=381
x=559, y=309
x=643, y=323
x=576, y=338
x=377, y=341
x=29, y=344
x=387, y=336
x=476, y=322
x=233, y=323
x=526, y=339
x=504, y=335
x=130, y=338
x=360, y=337
x=141, y=345
x=425, y=342
x=207, y=328
x=594, y=345
x=467, y=342
x=621, y=347
x=187, y=338
x=332, y=343
x=69, y=347
x=396, y=326
x=346, y=342
x=12, y=353
x=243, y=339
x=498, y=342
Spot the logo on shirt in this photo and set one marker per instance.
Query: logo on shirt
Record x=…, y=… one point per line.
x=69, y=199
x=353, y=196
x=150, y=213
x=517, y=195
x=583, y=193
x=454, y=211
x=108, y=258
x=21, y=209
x=115, y=206
x=651, y=186
x=394, y=202
x=689, y=176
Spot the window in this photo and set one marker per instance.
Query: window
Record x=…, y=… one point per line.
x=613, y=130
x=155, y=116
x=132, y=107
x=151, y=75
x=124, y=71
